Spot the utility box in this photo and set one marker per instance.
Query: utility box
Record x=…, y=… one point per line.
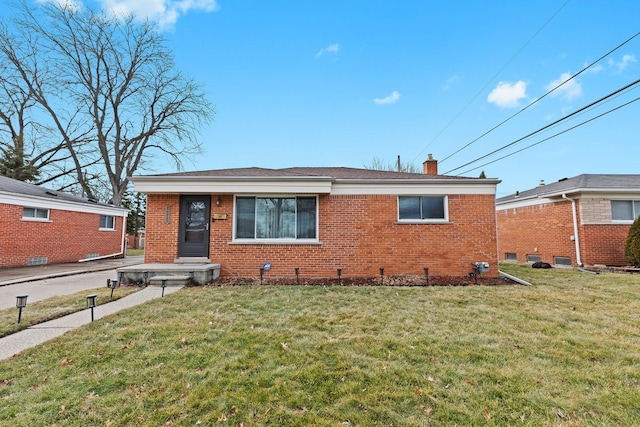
x=482, y=267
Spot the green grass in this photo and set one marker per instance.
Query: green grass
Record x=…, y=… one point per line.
x=565, y=352
x=53, y=308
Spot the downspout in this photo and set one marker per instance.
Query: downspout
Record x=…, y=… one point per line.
x=122, y=243
x=575, y=228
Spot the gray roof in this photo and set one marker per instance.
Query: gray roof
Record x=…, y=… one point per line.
x=584, y=182
x=9, y=185
x=310, y=172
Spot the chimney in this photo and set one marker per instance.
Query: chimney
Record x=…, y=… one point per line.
x=430, y=166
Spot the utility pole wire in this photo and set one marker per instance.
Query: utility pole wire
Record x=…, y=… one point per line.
x=553, y=136
x=543, y=96
x=491, y=80
x=547, y=126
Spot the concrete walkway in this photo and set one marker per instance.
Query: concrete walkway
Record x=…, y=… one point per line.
x=37, y=334
x=42, y=282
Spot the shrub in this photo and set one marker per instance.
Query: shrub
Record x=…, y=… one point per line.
x=632, y=246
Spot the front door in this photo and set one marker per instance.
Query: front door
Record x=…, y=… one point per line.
x=194, y=226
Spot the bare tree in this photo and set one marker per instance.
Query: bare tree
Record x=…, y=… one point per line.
x=109, y=89
x=380, y=165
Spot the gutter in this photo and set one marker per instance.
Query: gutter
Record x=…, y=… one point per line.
x=575, y=227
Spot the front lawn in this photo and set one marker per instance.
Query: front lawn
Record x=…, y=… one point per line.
x=563, y=352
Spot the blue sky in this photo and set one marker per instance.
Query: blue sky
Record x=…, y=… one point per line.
x=341, y=82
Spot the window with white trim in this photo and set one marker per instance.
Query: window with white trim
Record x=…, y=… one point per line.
x=625, y=210
x=269, y=218
x=422, y=208
x=35, y=213
x=107, y=222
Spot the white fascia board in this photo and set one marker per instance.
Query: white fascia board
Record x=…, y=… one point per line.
x=532, y=201
x=416, y=187
x=62, y=205
x=203, y=185
x=311, y=185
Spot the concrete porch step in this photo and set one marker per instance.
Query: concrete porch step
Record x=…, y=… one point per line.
x=171, y=280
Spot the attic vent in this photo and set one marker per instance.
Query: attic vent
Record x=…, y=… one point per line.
x=51, y=194
x=38, y=260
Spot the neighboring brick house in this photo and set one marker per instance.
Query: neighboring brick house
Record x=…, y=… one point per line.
x=579, y=221
x=320, y=219
x=42, y=226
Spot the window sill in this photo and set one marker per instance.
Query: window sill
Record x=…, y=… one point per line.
x=35, y=220
x=106, y=229
x=275, y=242
x=433, y=221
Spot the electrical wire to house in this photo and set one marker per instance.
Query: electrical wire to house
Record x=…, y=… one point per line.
x=552, y=136
x=464, y=108
x=585, y=68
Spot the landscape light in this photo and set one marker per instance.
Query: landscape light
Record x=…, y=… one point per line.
x=91, y=303
x=164, y=285
x=21, y=302
x=112, y=284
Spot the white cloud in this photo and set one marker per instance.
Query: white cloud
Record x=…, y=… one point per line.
x=450, y=82
x=163, y=12
x=391, y=99
x=332, y=49
x=625, y=61
x=508, y=95
x=569, y=90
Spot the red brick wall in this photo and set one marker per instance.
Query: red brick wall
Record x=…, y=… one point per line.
x=604, y=244
x=548, y=228
x=162, y=221
x=67, y=237
x=543, y=230
x=359, y=234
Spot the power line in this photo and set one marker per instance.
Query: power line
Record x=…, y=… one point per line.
x=553, y=136
x=491, y=80
x=543, y=96
x=548, y=126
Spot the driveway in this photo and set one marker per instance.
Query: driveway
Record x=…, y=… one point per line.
x=53, y=280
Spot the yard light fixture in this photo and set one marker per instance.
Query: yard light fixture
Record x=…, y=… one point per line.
x=382, y=276
x=112, y=284
x=164, y=285
x=297, y=270
x=21, y=302
x=261, y=273
x=145, y=277
x=339, y=276
x=91, y=303
x=426, y=274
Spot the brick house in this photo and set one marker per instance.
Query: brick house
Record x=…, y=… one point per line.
x=579, y=221
x=42, y=226
x=321, y=219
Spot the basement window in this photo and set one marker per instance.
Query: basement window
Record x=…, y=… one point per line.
x=107, y=222
x=534, y=258
x=510, y=256
x=35, y=214
x=562, y=261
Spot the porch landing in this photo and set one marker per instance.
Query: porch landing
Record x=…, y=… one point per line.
x=179, y=273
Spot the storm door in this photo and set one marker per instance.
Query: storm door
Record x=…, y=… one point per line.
x=194, y=226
